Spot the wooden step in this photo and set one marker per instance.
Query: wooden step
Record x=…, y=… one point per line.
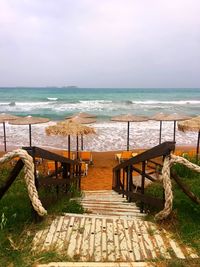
x=96, y=264
x=109, y=203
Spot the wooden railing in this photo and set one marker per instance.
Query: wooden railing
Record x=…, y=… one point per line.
x=123, y=178
x=69, y=172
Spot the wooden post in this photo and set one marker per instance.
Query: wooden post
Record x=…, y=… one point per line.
x=81, y=142
x=174, y=131
x=143, y=184
x=13, y=175
x=128, y=136
x=198, y=141
x=160, y=135
x=123, y=182
x=129, y=180
x=30, y=135
x=69, y=146
x=77, y=147
x=4, y=135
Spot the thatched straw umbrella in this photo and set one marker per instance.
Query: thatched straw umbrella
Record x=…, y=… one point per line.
x=3, y=119
x=129, y=118
x=68, y=128
x=191, y=125
x=83, y=120
x=29, y=120
x=81, y=115
x=170, y=117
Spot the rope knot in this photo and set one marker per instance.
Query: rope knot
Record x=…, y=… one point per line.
x=28, y=177
x=167, y=185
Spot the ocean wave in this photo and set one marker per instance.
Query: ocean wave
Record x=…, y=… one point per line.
x=96, y=101
x=52, y=98
x=174, y=102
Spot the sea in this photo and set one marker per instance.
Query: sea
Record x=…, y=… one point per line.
x=56, y=103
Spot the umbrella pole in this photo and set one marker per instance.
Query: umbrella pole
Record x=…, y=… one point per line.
x=160, y=132
x=82, y=142
x=69, y=146
x=128, y=136
x=174, y=131
x=4, y=134
x=77, y=147
x=30, y=135
x=198, y=141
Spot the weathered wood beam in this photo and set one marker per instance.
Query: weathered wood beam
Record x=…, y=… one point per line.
x=11, y=178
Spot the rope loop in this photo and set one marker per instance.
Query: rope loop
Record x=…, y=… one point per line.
x=167, y=185
x=28, y=177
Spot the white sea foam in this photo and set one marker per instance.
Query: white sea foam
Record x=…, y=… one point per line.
x=110, y=136
x=52, y=98
x=102, y=107
x=178, y=102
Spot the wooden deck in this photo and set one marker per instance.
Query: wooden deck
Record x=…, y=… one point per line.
x=114, y=231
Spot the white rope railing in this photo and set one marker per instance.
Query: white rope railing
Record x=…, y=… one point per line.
x=28, y=177
x=169, y=160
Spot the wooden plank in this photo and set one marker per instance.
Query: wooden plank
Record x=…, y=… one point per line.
x=54, y=241
x=98, y=240
x=54, y=181
x=122, y=242
x=104, y=240
x=79, y=238
x=72, y=242
x=140, y=239
x=144, y=198
x=92, y=235
x=110, y=240
x=158, y=241
x=116, y=240
x=62, y=235
x=45, y=154
x=86, y=239
x=129, y=253
x=68, y=233
x=50, y=235
x=147, y=240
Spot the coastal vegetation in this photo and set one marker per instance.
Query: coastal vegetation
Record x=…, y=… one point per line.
x=184, y=220
x=17, y=227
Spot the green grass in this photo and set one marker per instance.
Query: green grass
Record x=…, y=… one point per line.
x=185, y=218
x=17, y=228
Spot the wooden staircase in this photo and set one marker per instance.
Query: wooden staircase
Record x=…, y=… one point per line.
x=109, y=203
x=112, y=233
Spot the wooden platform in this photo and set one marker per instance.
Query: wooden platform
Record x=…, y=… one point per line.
x=113, y=232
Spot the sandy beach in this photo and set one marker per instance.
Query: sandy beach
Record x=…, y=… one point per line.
x=100, y=173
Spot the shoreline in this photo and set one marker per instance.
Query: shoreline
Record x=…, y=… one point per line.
x=110, y=136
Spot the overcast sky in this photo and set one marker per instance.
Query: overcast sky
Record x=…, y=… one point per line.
x=100, y=43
